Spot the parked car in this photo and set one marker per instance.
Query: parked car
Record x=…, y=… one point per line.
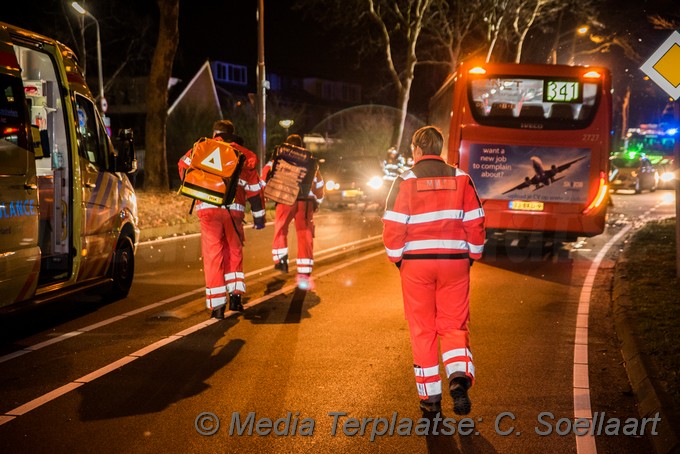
x=667, y=172
x=352, y=180
x=635, y=173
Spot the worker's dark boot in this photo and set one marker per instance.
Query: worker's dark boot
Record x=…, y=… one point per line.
x=431, y=406
x=459, y=392
x=282, y=265
x=218, y=312
x=235, y=303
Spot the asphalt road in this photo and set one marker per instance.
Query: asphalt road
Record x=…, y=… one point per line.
x=134, y=375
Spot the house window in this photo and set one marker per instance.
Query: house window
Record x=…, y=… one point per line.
x=233, y=74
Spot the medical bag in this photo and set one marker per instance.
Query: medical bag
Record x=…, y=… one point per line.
x=213, y=174
x=291, y=176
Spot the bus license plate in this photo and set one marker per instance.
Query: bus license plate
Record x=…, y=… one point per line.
x=351, y=193
x=521, y=205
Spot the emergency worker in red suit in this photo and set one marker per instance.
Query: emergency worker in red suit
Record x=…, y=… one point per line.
x=302, y=211
x=222, y=234
x=433, y=231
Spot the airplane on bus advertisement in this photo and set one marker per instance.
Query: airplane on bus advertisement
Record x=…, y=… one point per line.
x=545, y=174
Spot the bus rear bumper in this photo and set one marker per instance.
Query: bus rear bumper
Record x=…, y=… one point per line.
x=548, y=227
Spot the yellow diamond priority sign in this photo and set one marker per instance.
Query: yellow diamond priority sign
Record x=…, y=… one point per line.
x=663, y=67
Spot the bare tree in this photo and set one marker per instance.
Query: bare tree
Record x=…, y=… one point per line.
x=156, y=167
x=663, y=23
x=529, y=12
x=453, y=34
x=407, y=18
x=390, y=27
x=495, y=13
x=604, y=43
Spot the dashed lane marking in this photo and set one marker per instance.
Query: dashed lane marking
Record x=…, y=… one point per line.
x=45, y=398
x=323, y=255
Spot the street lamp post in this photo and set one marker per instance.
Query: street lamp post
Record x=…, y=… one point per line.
x=83, y=11
x=580, y=31
x=286, y=124
x=261, y=87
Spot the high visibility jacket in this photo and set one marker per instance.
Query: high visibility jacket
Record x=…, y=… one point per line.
x=433, y=211
x=222, y=233
x=248, y=184
x=303, y=213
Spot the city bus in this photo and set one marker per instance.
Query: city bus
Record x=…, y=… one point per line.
x=535, y=140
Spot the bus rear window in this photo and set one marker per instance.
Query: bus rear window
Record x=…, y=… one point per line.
x=533, y=103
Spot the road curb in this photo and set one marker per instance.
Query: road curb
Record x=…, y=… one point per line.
x=649, y=394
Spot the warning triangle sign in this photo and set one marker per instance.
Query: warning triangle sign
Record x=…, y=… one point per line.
x=214, y=161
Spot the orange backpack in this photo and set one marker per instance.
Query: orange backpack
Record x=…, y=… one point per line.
x=213, y=174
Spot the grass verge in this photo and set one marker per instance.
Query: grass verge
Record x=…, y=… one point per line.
x=655, y=294
x=167, y=208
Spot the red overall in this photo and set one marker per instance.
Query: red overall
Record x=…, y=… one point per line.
x=222, y=234
x=433, y=226
x=303, y=214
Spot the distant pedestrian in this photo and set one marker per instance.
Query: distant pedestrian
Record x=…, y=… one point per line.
x=433, y=230
x=393, y=164
x=222, y=235
x=302, y=211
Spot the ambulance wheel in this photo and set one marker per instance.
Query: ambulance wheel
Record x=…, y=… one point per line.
x=123, y=269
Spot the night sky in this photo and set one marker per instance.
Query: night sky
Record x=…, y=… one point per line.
x=208, y=29
x=294, y=43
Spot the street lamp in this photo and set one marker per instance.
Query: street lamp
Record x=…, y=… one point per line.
x=580, y=31
x=83, y=11
x=286, y=124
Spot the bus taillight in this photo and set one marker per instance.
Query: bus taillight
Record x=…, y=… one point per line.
x=601, y=194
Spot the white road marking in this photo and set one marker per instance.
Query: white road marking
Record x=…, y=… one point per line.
x=45, y=398
x=108, y=321
x=148, y=307
x=582, y=409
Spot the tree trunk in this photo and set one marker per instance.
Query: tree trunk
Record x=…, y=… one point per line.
x=402, y=104
x=494, y=39
x=155, y=165
x=417, y=10
x=624, y=113
x=523, y=33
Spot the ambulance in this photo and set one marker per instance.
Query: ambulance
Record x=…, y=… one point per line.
x=68, y=212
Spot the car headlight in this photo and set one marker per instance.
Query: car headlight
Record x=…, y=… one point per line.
x=667, y=176
x=375, y=182
x=332, y=185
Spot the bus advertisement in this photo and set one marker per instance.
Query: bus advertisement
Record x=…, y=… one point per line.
x=535, y=140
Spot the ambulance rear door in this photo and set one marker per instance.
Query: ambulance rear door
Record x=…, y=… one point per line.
x=19, y=208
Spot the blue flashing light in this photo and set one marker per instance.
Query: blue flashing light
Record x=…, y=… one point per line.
x=672, y=131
